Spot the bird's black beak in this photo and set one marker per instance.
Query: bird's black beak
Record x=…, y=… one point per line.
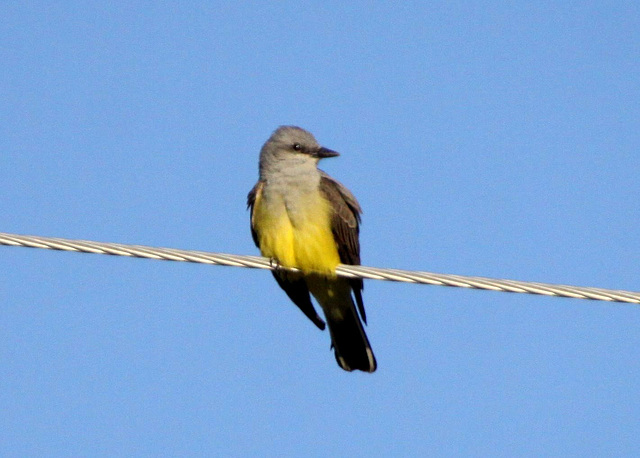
x=325, y=152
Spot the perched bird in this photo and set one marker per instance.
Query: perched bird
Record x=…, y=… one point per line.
x=301, y=217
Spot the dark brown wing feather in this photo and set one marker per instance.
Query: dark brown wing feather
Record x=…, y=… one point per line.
x=345, y=225
x=296, y=288
x=251, y=200
x=292, y=284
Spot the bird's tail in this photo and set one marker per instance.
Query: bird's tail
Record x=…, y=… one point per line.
x=350, y=343
x=348, y=338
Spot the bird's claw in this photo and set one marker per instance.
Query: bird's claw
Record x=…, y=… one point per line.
x=275, y=265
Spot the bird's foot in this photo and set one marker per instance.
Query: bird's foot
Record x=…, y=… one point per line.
x=275, y=265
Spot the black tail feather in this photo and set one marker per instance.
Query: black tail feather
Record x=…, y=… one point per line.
x=350, y=343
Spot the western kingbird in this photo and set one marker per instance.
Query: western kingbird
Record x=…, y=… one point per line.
x=301, y=217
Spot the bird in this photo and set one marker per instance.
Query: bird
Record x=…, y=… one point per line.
x=303, y=218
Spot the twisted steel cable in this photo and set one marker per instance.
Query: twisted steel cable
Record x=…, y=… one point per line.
x=373, y=273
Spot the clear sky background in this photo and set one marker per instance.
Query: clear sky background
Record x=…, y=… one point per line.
x=498, y=139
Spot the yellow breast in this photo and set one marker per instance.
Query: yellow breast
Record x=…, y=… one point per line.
x=304, y=240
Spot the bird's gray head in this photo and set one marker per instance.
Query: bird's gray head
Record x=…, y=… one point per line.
x=291, y=146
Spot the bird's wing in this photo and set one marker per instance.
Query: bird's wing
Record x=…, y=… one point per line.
x=251, y=201
x=293, y=284
x=345, y=225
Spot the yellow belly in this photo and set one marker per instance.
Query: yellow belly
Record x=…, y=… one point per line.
x=308, y=244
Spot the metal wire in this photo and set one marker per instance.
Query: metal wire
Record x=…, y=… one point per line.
x=373, y=273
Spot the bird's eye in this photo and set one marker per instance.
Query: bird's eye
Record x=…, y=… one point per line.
x=297, y=147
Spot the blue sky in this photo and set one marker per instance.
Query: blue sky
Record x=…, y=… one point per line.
x=493, y=139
